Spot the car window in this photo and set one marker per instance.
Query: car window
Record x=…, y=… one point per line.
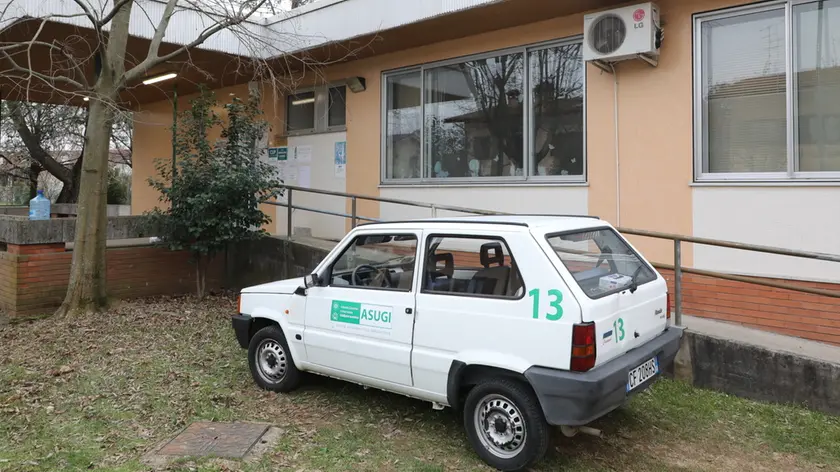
x=380, y=261
x=600, y=261
x=472, y=266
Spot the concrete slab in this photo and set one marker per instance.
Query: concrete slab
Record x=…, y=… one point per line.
x=776, y=342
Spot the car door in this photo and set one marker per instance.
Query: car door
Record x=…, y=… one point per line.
x=360, y=319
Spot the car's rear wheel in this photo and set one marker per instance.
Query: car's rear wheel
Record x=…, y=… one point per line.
x=271, y=361
x=505, y=424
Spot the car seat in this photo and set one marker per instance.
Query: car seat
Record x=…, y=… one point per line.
x=490, y=280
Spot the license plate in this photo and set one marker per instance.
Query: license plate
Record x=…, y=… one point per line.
x=643, y=373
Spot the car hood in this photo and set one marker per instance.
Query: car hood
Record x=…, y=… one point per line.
x=281, y=286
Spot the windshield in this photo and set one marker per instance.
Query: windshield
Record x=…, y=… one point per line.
x=600, y=261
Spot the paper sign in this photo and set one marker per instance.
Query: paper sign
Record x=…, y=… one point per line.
x=303, y=154
x=341, y=159
x=304, y=176
x=291, y=172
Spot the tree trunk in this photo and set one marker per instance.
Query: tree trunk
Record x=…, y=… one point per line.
x=86, y=291
x=201, y=277
x=70, y=190
x=33, y=173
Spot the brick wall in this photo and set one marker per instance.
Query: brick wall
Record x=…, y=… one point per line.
x=33, y=279
x=787, y=312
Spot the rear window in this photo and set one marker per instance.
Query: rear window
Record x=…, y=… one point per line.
x=600, y=261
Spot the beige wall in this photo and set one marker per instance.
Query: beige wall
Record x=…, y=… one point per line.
x=654, y=132
x=153, y=142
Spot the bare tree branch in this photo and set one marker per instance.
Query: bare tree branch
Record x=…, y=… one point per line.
x=153, y=59
x=87, y=11
x=36, y=152
x=110, y=16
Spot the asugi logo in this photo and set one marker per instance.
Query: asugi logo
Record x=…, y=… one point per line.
x=376, y=316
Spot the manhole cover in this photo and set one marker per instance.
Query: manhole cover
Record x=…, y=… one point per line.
x=205, y=439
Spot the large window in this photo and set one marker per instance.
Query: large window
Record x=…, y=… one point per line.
x=768, y=92
x=511, y=116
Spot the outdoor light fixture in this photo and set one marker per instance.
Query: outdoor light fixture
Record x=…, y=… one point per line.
x=356, y=84
x=87, y=99
x=303, y=101
x=160, y=78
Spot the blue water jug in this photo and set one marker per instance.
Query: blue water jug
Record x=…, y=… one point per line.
x=39, y=207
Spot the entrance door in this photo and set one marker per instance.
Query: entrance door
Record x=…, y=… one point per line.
x=362, y=320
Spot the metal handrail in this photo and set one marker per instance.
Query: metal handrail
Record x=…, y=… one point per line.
x=678, y=239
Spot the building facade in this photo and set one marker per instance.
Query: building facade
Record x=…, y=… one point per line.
x=733, y=135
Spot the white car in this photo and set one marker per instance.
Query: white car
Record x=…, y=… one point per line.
x=520, y=321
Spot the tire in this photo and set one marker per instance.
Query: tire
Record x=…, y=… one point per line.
x=493, y=412
x=271, y=361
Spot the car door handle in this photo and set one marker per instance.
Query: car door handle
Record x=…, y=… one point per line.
x=408, y=311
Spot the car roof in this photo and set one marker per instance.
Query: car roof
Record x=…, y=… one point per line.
x=553, y=223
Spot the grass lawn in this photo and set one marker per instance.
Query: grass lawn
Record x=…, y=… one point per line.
x=97, y=392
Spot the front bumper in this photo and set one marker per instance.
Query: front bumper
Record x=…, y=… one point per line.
x=575, y=398
x=242, y=328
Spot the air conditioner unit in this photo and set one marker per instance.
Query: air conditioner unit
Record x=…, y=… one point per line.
x=622, y=33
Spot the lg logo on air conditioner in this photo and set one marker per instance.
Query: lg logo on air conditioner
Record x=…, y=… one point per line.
x=638, y=18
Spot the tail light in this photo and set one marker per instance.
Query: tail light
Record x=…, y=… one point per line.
x=583, y=347
x=239, y=304
x=668, y=306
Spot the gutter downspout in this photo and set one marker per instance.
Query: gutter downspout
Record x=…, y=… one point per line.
x=617, y=161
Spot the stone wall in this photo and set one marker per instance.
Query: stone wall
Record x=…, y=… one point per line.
x=758, y=373
x=270, y=259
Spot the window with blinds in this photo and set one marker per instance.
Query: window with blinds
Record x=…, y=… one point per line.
x=750, y=127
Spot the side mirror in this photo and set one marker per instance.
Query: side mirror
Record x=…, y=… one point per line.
x=312, y=280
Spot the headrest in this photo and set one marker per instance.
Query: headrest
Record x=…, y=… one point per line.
x=448, y=263
x=492, y=252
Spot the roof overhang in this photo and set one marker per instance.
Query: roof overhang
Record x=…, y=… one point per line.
x=316, y=35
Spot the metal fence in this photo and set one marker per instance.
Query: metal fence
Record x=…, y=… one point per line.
x=677, y=239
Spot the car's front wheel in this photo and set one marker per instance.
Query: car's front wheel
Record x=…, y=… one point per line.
x=271, y=361
x=505, y=424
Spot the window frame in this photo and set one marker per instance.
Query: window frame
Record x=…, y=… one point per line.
x=700, y=115
x=328, y=273
x=426, y=254
x=330, y=88
x=322, y=104
x=527, y=120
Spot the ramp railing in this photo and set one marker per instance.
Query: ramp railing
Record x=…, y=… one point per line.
x=677, y=239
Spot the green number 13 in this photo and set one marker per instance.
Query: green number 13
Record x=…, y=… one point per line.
x=558, y=310
x=618, y=327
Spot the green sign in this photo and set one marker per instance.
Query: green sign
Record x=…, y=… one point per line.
x=362, y=314
x=278, y=153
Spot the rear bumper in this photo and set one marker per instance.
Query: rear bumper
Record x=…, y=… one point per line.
x=575, y=399
x=242, y=329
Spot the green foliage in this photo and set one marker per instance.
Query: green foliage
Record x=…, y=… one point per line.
x=119, y=187
x=213, y=198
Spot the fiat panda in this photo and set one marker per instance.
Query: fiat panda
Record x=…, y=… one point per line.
x=520, y=323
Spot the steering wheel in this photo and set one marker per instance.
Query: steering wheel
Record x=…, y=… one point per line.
x=386, y=274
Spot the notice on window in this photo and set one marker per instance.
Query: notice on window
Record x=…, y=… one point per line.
x=303, y=154
x=290, y=172
x=304, y=176
x=341, y=159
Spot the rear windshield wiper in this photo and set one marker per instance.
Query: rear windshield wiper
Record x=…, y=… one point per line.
x=634, y=285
